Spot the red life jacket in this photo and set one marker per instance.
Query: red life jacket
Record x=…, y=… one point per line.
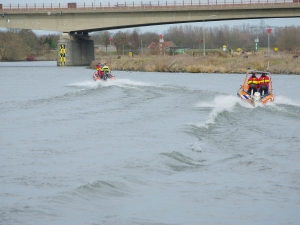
x=253, y=80
x=264, y=81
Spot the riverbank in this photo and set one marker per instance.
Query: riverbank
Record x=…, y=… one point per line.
x=214, y=63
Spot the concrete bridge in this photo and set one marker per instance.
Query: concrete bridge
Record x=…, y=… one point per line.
x=77, y=21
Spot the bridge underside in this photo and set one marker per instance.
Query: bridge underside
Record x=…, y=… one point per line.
x=75, y=47
x=120, y=20
x=86, y=21
x=75, y=50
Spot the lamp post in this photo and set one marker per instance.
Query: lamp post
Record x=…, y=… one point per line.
x=204, y=53
x=269, y=31
x=94, y=6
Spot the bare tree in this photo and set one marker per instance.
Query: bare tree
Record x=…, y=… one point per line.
x=288, y=38
x=147, y=37
x=102, y=38
x=30, y=40
x=120, y=39
x=134, y=41
x=11, y=47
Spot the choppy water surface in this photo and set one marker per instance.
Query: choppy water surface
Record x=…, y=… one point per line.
x=147, y=148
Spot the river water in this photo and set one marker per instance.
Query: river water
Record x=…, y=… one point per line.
x=147, y=148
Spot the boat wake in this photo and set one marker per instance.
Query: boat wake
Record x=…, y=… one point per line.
x=285, y=101
x=285, y=106
x=84, y=84
x=108, y=83
x=79, y=89
x=219, y=105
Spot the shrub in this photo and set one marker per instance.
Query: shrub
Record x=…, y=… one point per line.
x=30, y=58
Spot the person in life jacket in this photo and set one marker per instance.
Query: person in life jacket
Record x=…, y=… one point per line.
x=101, y=71
x=105, y=68
x=264, y=82
x=98, y=69
x=253, y=84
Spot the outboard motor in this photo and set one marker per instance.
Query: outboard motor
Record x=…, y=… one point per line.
x=256, y=98
x=105, y=75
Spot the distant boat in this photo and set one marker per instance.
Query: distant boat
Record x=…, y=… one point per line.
x=262, y=96
x=105, y=76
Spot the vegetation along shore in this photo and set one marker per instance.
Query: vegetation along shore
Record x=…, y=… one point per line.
x=216, y=62
x=182, y=49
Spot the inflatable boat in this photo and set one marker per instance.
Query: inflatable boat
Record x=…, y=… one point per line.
x=261, y=94
x=105, y=76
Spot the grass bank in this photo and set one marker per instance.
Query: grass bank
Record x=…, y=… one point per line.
x=217, y=62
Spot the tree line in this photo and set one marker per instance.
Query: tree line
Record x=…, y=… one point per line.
x=190, y=36
x=20, y=44
x=23, y=44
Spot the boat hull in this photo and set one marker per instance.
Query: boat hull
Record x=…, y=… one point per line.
x=251, y=99
x=255, y=98
x=109, y=77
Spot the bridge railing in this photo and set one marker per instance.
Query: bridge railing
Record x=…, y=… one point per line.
x=142, y=5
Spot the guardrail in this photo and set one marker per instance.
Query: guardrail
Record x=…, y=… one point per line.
x=148, y=5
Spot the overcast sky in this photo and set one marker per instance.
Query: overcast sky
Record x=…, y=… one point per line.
x=279, y=22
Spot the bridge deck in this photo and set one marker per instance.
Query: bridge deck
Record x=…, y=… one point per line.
x=168, y=6
x=74, y=18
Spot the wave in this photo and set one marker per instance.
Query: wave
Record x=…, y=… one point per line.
x=85, y=84
x=108, y=83
x=85, y=87
x=285, y=107
x=112, y=188
x=219, y=104
x=30, y=103
x=285, y=101
x=181, y=162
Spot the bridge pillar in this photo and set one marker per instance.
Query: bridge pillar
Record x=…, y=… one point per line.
x=75, y=50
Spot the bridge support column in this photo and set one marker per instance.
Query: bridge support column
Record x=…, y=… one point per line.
x=75, y=50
